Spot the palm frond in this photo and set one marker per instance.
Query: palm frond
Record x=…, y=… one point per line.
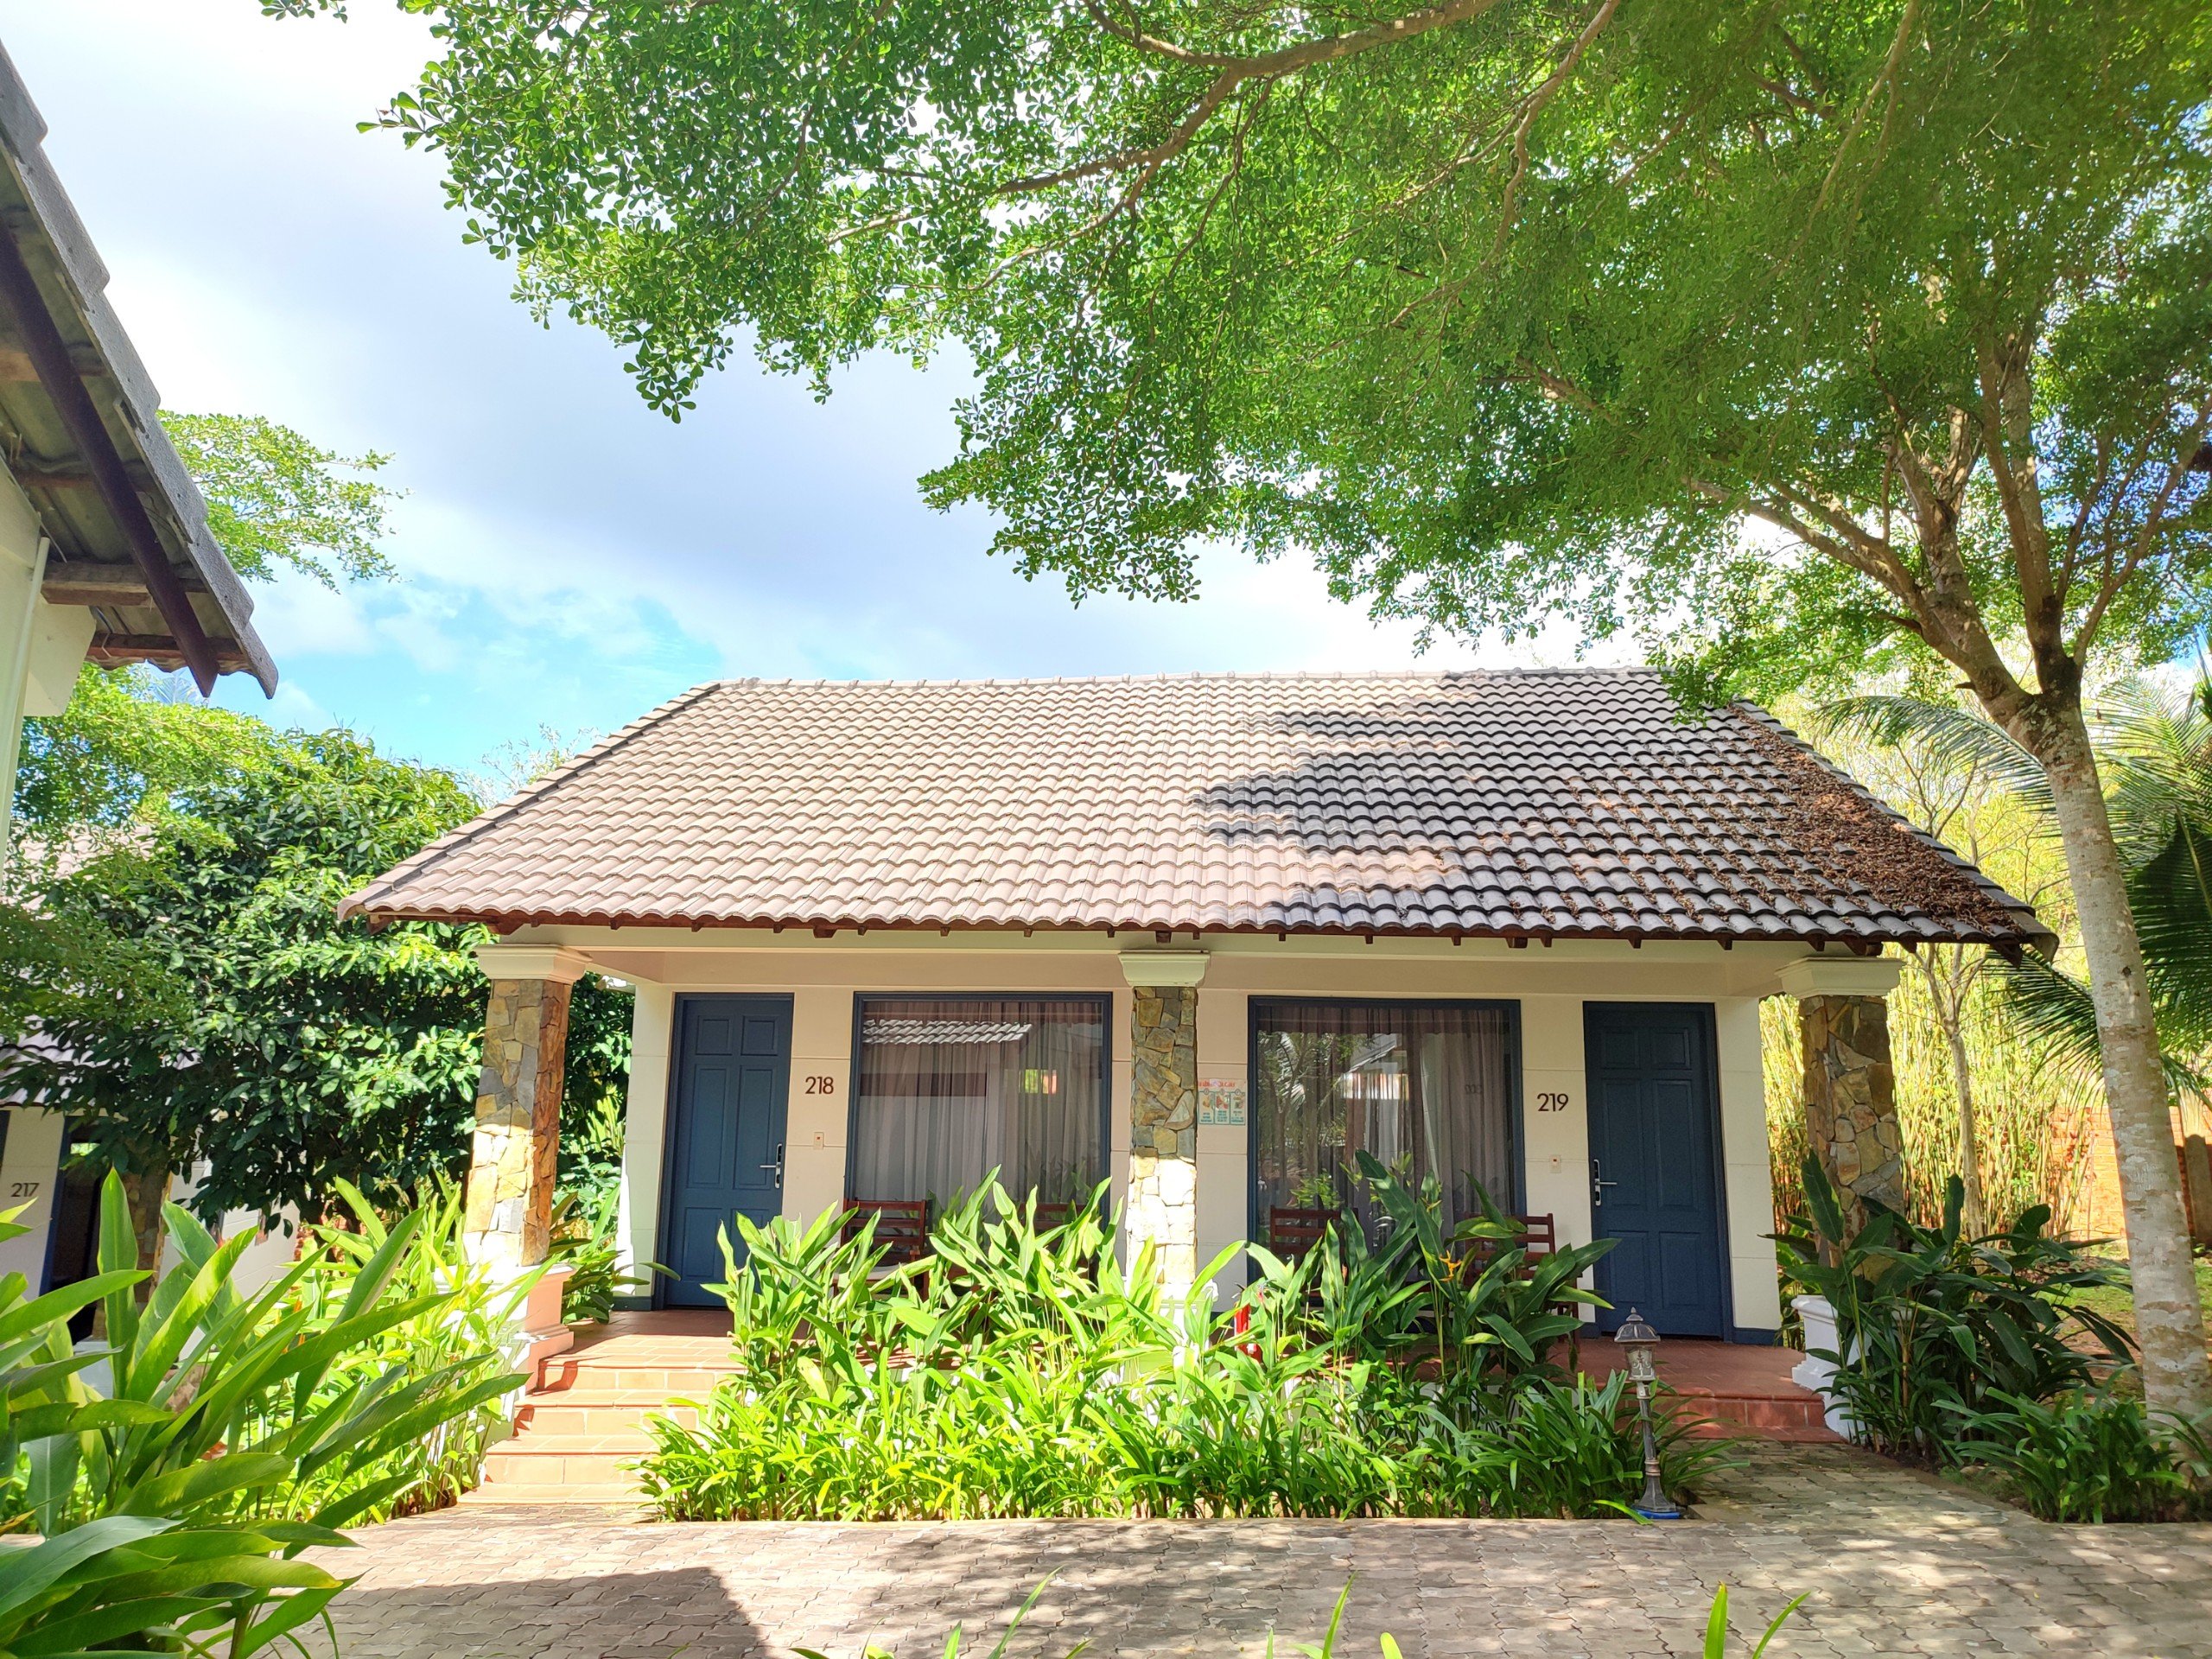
x=2155, y=751
x=1949, y=736
x=2171, y=893
x=2056, y=1012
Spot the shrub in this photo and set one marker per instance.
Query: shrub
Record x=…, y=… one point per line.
x=2090, y=1458
x=1020, y=1371
x=357, y=1382
x=1932, y=1322
x=1471, y=1299
x=446, y=1355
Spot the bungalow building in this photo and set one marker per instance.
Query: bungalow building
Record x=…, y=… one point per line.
x=1209, y=937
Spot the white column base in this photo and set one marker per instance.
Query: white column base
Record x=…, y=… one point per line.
x=1819, y=1375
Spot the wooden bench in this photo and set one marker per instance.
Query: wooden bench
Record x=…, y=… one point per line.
x=902, y=1226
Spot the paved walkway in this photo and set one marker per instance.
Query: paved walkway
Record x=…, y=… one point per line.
x=1890, y=1563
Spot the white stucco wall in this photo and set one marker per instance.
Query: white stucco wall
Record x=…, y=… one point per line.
x=1550, y=987
x=28, y=1172
x=645, y=1118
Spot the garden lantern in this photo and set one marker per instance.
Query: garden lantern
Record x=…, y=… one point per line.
x=1642, y=1344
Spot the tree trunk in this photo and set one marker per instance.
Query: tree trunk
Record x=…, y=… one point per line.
x=1976, y=1210
x=1949, y=1016
x=2169, y=1320
x=147, y=1190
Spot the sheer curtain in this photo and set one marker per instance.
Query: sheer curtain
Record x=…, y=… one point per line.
x=950, y=1089
x=1425, y=1090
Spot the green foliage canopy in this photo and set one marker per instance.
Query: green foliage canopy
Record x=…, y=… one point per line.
x=206, y=853
x=277, y=499
x=302, y=1049
x=1505, y=308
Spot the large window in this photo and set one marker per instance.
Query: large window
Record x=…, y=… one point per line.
x=1427, y=1088
x=953, y=1089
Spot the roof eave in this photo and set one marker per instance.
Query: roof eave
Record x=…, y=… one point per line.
x=49, y=232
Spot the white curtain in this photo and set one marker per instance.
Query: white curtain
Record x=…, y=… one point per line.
x=951, y=1089
x=1425, y=1089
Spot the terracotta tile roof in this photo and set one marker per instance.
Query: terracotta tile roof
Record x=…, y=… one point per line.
x=1571, y=803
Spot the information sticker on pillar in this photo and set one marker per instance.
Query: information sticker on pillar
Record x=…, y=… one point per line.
x=1221, y=1104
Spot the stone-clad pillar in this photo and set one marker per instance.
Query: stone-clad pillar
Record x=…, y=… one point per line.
x=1851, y=1112
x=1163, y=1202
x=516, y=1153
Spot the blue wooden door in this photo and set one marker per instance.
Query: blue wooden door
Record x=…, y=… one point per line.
x=1654, y=1170
x=726, y=1134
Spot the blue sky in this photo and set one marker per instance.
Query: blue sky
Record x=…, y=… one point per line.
x=569, y=558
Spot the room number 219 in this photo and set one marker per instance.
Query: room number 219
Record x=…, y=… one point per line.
x=1551, y=1102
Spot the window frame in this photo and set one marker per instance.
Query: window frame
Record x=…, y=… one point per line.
x=1103, y=1001
x=1516, y=1144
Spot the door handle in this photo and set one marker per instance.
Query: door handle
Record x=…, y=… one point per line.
x=777, y=1165
x=1598, y=1186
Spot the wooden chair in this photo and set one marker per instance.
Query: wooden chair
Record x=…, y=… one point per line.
x=902, y=1226
x=1291, y=1233
x=1539, y=1238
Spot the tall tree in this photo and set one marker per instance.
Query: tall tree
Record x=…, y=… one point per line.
x=299, y=1049
x=1793, y=335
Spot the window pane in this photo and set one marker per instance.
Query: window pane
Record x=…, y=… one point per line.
x=950, y=1090
x=1425, y=1090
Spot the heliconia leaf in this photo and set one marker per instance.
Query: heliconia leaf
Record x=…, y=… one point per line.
x=25, y=1573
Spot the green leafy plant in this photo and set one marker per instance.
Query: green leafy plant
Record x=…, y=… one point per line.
x=1931, y=1320
x=1021, y=1370
x=2089, y=1457
x=1716, y=1632
x=187, y=1580
x=1716, y=1626
x=1484, y=1302
x=314, y=1398
x=136, y=1583
x=583, y=1239
x=453, y=1346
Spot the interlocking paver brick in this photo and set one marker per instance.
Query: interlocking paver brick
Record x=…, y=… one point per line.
x=1891, y=1562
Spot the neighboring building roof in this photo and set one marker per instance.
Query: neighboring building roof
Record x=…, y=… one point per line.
x=1565, y=804
x=94, y=563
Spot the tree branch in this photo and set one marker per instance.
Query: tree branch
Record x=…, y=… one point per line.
x=1290, y=59
x=2007, y=424
x=1534, y=106
x=2140, y=546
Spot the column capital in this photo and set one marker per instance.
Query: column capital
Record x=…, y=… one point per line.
x=1158, y=967
x=1841, y=976
x=555, y=962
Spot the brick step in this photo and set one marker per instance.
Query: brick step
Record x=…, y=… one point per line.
x=595, y=1411
x=539, y=1459
x=561, y=1373
x=1797, y=1420
x=630, y=1442
x=578, y=1481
